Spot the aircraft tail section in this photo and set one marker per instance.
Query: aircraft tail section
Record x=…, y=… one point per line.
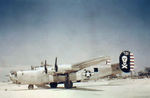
x=126, y=63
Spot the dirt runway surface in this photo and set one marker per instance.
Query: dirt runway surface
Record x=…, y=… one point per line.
x=124, y=88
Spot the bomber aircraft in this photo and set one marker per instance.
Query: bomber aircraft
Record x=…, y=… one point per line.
x=54, y=75
x=68, y=73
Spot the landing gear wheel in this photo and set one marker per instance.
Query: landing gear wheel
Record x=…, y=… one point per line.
x=53, y=85
x=68, y=84
x=30, y=87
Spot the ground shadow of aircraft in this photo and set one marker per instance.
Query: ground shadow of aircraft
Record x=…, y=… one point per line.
x=59, y=88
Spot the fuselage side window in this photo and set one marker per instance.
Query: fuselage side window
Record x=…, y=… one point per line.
x=95, y=69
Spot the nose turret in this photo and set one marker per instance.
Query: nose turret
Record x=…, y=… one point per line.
x=13, y=77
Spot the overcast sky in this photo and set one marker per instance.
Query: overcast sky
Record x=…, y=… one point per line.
x=73, y=30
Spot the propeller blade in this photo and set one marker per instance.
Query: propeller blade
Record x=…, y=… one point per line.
x=45, y=67
x=56, y=66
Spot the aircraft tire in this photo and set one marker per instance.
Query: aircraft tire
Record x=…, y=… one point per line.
x=30, y=86
x=53, y=85
x=68, y=84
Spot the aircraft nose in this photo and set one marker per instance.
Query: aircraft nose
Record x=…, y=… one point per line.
x=13, y=76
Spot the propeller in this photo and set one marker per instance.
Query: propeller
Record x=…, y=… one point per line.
x=45, y=66
x=56, y=66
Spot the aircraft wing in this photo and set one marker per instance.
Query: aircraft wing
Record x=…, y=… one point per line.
x=82, y=65
x=89, y=63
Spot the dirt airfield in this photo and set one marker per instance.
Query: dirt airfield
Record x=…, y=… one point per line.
x=118, y=88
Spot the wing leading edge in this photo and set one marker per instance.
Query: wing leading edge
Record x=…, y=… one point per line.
x=89, y=63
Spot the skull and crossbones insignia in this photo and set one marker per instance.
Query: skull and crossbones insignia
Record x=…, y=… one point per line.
x=124, y=60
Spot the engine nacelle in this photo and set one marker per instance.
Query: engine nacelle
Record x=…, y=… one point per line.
x=64, y=68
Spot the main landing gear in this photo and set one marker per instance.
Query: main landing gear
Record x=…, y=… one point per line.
x=68, y=83
x=53, y=85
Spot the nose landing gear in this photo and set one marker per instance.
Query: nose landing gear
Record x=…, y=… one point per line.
x=30, y=86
